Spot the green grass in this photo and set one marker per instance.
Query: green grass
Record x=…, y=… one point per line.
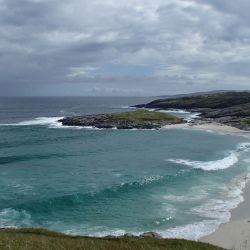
x=247, y=121
x=40, y=239
x=144, y=116
x=244, y=109
x=213, y=101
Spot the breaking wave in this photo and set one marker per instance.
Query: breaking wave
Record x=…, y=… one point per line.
x=11, y=218
x=209, y=165
x=224, y=163
x=51, y=121
x=214, y=211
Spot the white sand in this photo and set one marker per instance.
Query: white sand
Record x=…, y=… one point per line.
x=213, y=127
x=235, y=234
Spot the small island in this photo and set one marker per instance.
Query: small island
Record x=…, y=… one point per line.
x=139, y=119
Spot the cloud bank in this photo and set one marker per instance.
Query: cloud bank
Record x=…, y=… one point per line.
x=80, y=47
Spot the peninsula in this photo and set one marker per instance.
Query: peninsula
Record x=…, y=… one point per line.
x=227, y=108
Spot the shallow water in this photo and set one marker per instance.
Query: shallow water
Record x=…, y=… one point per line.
x=180, y=183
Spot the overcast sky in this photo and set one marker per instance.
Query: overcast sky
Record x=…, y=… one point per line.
x=123, y=47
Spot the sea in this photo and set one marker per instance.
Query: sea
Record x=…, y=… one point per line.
x=180, y=183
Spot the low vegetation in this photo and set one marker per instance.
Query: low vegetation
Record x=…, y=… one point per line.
x=248, y=122
x=144, y=115
x=40, y=239
x=228, y=108
x=246, y=109
x=212, y=101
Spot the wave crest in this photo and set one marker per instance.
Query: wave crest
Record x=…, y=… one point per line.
x=215, y=212
x=36, y=121
x=209, y=165
x=11, y=218
x=220, y=164
x=51, y=122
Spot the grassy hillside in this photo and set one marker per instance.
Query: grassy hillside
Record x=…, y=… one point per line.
x=246, y=109
x=213, y=101
x=144, y=116
x=247, y=122
x=39, y=239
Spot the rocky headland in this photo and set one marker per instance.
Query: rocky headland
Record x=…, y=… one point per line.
x=229, y=108
x=140, y=119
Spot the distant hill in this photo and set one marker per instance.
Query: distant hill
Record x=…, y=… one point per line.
x=213, y=101
x=230, y=108
x=198, y=93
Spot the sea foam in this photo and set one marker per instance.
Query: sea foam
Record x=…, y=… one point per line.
x=51, y=122
x=175, y=111
x=215, y=212
x=227, y=162
x=11, y=218
x=209, y=165
x=36, y=121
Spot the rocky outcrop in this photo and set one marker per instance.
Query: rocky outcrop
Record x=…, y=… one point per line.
x=151, y=235
x=143, y=235
x=126, y=120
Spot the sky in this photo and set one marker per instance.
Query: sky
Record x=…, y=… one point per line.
x=123, y=47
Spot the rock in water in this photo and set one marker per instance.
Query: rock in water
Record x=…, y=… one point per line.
x=151, y=235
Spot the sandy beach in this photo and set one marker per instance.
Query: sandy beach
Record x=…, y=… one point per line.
x=210, y=127
x=235, y=234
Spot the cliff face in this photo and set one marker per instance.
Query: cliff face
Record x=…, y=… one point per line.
x=230, y=108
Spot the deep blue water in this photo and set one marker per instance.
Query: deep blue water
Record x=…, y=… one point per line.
x=180, y=183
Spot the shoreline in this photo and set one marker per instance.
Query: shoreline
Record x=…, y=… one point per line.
x=210, y=127
x=227, y=232
x=234, y=234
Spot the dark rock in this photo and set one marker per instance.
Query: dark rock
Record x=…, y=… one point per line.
x=108, y=121
x=128, y=235
x=151, y=235
x=110, y=237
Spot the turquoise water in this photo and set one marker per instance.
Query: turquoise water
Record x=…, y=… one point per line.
x=180, y=183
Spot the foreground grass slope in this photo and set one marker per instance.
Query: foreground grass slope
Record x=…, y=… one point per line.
x=39, y=239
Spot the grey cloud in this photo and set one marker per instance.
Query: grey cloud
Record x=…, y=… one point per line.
x=41, y=41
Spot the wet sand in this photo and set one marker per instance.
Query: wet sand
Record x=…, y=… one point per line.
x=211, y=127
x=235, y=234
